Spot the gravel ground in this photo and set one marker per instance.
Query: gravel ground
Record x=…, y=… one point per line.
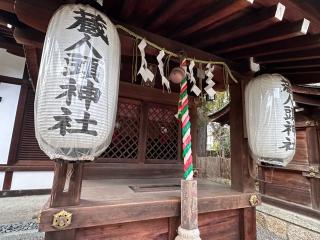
x=21, y=209
x=264, y=234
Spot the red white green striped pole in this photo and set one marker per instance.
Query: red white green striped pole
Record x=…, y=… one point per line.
x=186, y=130
x=188, y=230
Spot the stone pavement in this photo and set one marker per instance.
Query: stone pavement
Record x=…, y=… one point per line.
x=286, y=225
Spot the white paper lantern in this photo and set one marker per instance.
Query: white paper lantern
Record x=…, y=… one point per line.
x=77, y=89
x=270, y=119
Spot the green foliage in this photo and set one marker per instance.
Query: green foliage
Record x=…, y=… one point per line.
x=221, y=139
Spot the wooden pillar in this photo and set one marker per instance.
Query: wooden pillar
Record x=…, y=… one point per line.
x=241, y=162
x=248, y=223
x=313, y=143
x=66, y=191
x=67, y=183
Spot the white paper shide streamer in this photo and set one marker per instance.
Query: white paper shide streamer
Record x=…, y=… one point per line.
x=270, y=119
x=144, y=71
x=192, y=79
x=209, y=81
x=77, y=90
x=164, y=80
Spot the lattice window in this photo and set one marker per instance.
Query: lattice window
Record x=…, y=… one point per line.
x=162, y=133
x=125, y=138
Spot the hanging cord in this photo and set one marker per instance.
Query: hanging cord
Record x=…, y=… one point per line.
x=223, y=64
x=134, y=65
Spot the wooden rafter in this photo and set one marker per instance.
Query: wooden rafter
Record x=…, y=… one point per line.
x=248, y=24
x=221, y=116
x=299, y=70
x=7, y=5
x=211, y=15
x=303, y=78
x=289, y=56
x=36, y=14
x=306, y=100
x=128, y=8
x=294, y=64
x=298, y=9
x=168, y=10
x=146, y=11
x=269, y=35
x=306, y=90
x=293, y=44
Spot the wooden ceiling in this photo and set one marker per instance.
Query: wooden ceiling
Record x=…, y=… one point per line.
x=278, y=36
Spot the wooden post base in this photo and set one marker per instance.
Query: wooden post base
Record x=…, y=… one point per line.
x=67, y=184
x=66, y=191
x=189, y=211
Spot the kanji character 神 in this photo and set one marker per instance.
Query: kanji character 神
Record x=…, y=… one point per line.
x=89, y=93
x=71, y=90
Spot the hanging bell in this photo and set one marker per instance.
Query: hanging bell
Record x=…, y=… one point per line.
x=177, y=74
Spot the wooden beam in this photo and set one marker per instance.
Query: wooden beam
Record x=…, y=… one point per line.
x=176, y=46
x=298, y=10
x=7, y=5
x=306, y=100
x=294, y=207
x=144, y=12
x=289, y=56
x=303, y=78
x=36, y=14
x=269, y=35
x=248, y=24
x=13, y=80
x=169, y=10
x=211, y=15
x=121, y=211
x=29, y=37
x=306, y=90
x=127, y=9
x=299, y=70
x=7, y=181
x=294, y=64
x=293, y=44
x=221, y=116
x=11, y=46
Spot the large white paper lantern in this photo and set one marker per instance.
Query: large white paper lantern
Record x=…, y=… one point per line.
x=77, y=89
x=270, y=119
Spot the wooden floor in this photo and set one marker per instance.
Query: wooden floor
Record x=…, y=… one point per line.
x=126, y=200
x=109, y=190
